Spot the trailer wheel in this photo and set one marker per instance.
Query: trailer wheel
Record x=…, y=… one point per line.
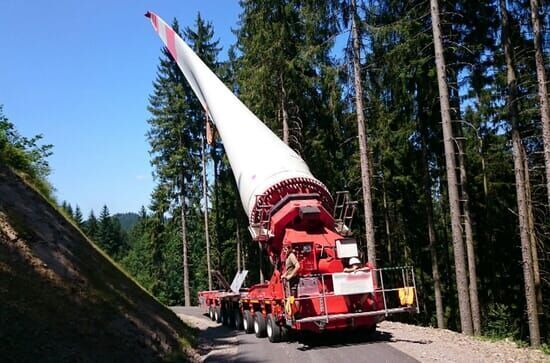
x=248, y=322
x=259, y=325
x=218, y=314
x=231, y=317
x=274, y=331
x=238, y=319
x=211, y=312
x=225, y=316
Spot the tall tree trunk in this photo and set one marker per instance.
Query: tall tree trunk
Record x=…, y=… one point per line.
x=206, y=228
x=543, y=91
x=363, y=146
x=440, y=313
x=217, y=238
x=447, y=258
x=481, y=152
x=238, y=249
x=387, y=220
x=532, y=236
x=448, y=141
x=186, y=293
x=483, y=169
x=519, y=171
x=470, y=245
x=466, y=216
x=284, y=112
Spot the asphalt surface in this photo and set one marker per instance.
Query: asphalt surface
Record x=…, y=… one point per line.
x=341, y=347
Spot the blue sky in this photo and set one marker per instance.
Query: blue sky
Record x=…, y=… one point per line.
x=80, y=73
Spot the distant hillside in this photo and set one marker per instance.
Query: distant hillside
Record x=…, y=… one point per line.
x=61, y=299
x=127, y=220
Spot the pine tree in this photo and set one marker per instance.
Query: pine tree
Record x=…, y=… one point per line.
x=520, y=174
x=91, y=227
x=448, y=140
x=78, y=217
x=205, y=200
x=69, y=210
x=201, y=40
x=106, y=231
x=272, y=69
x=542, y=89
x=171, y=139
x=366, y=166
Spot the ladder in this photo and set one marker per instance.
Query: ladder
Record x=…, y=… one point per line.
x=344, y=210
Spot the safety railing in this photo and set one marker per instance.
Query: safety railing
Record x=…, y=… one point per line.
x=396, y=288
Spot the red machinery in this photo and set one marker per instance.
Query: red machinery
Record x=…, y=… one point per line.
x=288, y=206
x=326, y=298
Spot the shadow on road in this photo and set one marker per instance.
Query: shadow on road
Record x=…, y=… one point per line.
x=219, y=343
x=341, y=339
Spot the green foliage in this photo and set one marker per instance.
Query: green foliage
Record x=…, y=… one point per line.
x=26, y=155
x=77, y=217
x=126, y=220
x=501, y=322
x=90, y=226
x=106, y=231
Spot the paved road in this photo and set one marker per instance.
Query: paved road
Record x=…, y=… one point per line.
x=340, y=348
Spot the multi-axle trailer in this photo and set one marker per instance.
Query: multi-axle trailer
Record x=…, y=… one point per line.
x=288, y=207
x=316, y=308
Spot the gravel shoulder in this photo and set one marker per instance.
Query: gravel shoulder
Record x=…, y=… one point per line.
x=441, y=345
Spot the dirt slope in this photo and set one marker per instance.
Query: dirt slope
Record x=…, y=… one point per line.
x=61, y=299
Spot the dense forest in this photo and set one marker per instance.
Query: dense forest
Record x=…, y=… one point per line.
x=433, y=114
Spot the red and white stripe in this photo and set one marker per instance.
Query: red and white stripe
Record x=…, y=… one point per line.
x=167, y=34
x=180, y=51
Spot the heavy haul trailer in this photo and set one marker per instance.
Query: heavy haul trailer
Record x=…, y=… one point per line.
x=287, y=206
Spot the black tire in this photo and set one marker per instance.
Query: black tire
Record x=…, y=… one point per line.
x=218, y=314
x=225, y=316
x=211, y=312
x=248, y=322
x=238, y=319
x=273, y=330
x=260, y=328
x=231, y=317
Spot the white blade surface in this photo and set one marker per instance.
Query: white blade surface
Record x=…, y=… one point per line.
x=259, y=159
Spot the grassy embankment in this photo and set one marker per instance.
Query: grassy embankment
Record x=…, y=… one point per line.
x=63, y=299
